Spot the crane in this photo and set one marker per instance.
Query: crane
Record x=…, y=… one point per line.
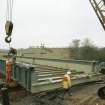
x=99, y=8
x=9, y=27
x=9, y=23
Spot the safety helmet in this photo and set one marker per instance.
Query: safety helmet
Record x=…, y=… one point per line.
x=68, y=72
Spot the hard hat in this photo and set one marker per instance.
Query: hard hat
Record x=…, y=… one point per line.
x=68, y=72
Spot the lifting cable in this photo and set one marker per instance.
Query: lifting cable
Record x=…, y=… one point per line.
x=9, y=23
x=9, y=28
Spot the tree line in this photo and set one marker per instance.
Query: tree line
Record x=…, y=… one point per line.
x=85, y=50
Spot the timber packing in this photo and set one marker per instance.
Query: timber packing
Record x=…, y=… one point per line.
x=84, y=94
x=41, y=81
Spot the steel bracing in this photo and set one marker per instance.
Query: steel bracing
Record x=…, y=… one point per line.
x=99, y=8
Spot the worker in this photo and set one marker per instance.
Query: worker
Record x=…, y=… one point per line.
x=67, y=83
x=11, y=59
x=13, y=52
x=0, y=71
x=8, y=69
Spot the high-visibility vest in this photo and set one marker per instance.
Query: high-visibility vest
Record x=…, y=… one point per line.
x=66, y=81
x=8, y=66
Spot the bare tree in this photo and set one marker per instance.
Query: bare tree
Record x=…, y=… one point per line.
x=87, y=43
x=74, y=49
x=76, y=43
x=88, y=51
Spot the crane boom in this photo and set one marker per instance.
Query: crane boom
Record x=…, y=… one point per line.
x=99, y=8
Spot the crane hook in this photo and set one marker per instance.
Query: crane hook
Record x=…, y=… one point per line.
x=8, y=39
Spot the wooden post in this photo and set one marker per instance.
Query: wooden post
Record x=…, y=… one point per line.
x=5, y=97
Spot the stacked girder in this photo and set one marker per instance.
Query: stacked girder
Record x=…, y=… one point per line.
x=99, y=8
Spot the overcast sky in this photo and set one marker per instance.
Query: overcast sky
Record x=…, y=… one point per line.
x=53, y=22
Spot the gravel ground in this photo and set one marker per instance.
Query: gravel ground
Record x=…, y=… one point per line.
x=81, y=95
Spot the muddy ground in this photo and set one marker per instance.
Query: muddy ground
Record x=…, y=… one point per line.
x=81, y=95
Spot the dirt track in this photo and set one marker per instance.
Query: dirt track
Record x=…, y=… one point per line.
x=86, y=95
x=81, y=95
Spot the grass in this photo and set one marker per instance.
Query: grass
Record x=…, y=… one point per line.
x=60, y=53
